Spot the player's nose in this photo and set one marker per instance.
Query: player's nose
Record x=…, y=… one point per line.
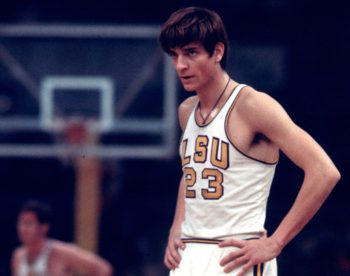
x=181, y=63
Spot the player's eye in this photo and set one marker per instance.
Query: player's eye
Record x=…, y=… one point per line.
x=171, y=54
x=192, y=52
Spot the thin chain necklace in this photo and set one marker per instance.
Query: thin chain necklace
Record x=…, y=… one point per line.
x=204, y=119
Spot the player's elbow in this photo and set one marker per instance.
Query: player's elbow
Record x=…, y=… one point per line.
x=110, y=270
x=325, y=175
x=107, y=269
x=104, y=268
x=330, y=175
x=333, y=176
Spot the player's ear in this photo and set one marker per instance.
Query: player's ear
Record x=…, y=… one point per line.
x=219, y=51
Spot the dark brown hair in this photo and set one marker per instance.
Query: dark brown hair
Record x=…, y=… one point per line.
x=194, y=24
x=40, y=209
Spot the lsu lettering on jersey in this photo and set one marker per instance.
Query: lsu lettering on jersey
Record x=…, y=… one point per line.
x=226, y=190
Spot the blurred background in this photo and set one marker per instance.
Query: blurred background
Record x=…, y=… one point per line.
x=88, y=120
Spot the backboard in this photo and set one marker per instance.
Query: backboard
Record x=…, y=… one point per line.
x=114, y=79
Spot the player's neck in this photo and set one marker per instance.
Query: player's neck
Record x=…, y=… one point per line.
x=35, y=248
x=212, y=90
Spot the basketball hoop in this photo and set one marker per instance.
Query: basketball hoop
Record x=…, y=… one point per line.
x=80, y=132
x=75, y=133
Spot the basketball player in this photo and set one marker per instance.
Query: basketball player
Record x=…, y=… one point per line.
x=232, y=135
x=41, y=256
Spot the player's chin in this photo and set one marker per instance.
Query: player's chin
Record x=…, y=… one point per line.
x=188, y=84
x=25, y=239
x=188, y=88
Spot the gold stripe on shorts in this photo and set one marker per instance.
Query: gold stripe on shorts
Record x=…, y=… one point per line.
x=258, y=270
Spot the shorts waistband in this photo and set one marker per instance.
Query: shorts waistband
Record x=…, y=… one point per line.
x=205, y=241
x=210, y=241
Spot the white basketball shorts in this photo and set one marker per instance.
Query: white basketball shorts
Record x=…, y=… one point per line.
x=203, y=259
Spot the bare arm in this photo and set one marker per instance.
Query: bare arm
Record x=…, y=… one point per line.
x=266, y=116
x=172, y=257
x=15, y=262
x=184, y=112
x=82, y=261
x=320, y=174
x=179, y=216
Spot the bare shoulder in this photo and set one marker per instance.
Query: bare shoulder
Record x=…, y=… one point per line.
x=65, y=249
x=259, y=109
x=253, y=100
x=189, y=103
x=69, y=254
x=70, y=251
x=17, y=253
x=185, y=109
x=79, y=260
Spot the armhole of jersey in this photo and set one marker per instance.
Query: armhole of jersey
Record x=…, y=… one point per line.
x=193, y=113
x=231, y=142
x=183, y=131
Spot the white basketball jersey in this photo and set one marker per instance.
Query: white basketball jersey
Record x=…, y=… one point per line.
x=226, y=190
x=39, y=267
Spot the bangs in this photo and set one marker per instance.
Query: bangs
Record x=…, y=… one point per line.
x=186, y=31
x=194, y=25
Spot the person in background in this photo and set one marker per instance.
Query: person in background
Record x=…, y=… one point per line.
x=41, y=256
